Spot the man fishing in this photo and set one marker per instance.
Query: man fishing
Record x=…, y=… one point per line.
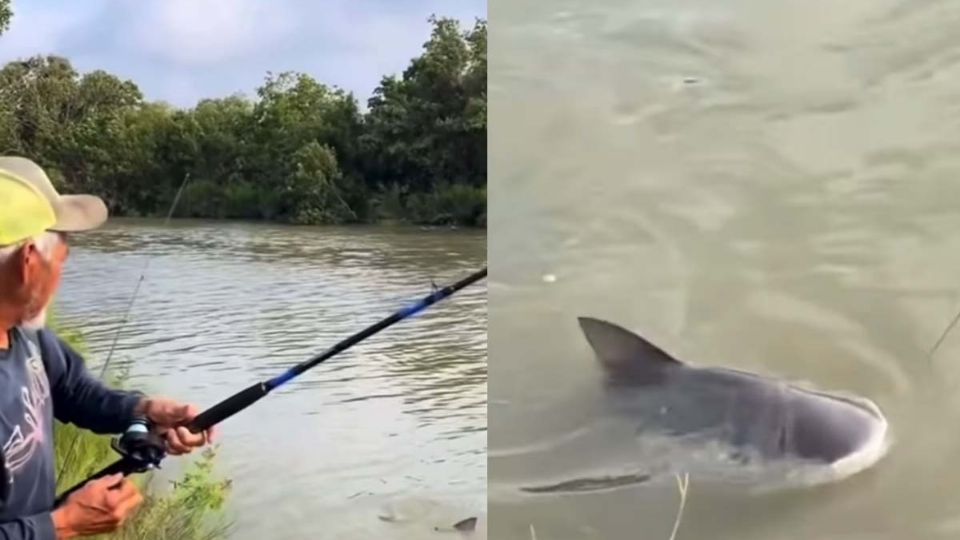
x=42, y=378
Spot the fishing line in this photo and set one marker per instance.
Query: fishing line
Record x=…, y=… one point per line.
x=123, y=323
x=943, y=336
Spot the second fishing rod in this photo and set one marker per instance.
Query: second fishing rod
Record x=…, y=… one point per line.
x=142, y=450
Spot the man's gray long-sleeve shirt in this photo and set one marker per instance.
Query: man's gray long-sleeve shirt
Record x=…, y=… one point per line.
x=42, y=378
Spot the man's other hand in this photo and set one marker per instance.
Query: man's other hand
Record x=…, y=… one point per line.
x=101, y=506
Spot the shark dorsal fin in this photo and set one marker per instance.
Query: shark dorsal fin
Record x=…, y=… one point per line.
x=623, y=354
x=468, y=524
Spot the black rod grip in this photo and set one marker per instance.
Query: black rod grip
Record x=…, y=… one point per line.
x=227, y=408
x=122, y=465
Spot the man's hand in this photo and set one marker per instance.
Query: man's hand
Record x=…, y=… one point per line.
x=101, y=506
x=170, y=418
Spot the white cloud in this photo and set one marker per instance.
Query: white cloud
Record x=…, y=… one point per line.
x=42, y=28
x=182, y=50
x=204, y=32
x=371, y=43
x=178, y=90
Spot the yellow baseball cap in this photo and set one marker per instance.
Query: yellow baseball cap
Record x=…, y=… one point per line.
x=24, y=211
x=73, y=213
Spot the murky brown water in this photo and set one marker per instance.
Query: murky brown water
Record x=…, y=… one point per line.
x=770, y=186
x=386, y=440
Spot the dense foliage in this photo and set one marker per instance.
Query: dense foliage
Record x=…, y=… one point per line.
x=5, y=13
x=299, y=152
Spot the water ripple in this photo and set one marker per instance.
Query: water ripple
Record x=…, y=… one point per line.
x=224, y=305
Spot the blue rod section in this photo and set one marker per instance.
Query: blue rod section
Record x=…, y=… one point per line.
x=396, y=317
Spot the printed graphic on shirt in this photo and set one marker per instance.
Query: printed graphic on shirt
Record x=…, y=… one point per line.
x=29, y=434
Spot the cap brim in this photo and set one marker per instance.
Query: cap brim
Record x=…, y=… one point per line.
x=77, y=213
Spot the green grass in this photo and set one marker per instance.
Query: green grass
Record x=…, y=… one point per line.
x=188, y=509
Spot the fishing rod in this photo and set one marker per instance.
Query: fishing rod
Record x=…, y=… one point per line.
x=143, y=450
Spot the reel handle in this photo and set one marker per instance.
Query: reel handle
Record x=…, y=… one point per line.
x=140, y=450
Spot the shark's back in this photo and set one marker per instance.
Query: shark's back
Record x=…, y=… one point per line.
x=766, y=416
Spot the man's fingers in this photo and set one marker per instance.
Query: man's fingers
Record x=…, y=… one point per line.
x=187, y=412
x=171, y=417
x=116, y=495
x=108, y=482
x=128, y=489
x=191, y=439
x=181, y=413
x=131, y=500
x=168, y=412
x=122, y=508
x=110, y=479
x=175, y=442
x=177, y=448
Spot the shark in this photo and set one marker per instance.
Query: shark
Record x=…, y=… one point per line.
x=747, y=419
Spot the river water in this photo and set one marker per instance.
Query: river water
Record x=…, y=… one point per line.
x=768, y=186
x=387, y=440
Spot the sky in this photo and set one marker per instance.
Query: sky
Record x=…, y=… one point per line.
x=181, y=51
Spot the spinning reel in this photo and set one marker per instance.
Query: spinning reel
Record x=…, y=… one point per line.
x=139, y=446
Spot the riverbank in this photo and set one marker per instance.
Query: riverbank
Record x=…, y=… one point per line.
x=190, y=510
x=444, y=206
x=397, y=226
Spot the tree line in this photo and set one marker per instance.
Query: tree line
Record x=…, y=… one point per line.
x=299, y=152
